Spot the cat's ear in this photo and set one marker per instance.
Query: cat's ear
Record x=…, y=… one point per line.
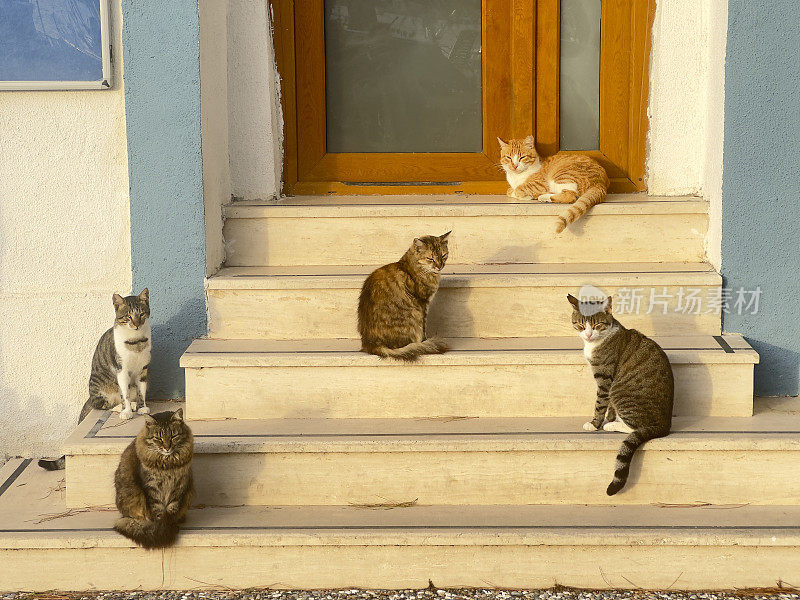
x=149, y=420
x=530, y=142
x=574, y=301
x=117, y=300
x=607, y=305
x=178, y=415
x=145, y=295
x=443, y=237
x=419, y=244
x=502, y=142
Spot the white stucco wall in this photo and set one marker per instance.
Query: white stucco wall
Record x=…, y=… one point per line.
x=254, y=117
x=686, y=109
x=64, y=249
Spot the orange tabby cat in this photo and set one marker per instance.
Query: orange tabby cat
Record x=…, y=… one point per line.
x=564, y=178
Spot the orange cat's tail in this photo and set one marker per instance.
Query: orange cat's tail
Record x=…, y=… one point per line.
x=594, y=195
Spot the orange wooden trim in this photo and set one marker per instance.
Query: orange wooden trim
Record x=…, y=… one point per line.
x=497, y=87
x=619, y=185
x=548, y=45
x=523, y=60
x=309, y=28
x=282, y=12
x=615, y=84
x=440, y=166
x=314, y=188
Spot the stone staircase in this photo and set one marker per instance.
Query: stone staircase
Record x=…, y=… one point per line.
x=319, y=466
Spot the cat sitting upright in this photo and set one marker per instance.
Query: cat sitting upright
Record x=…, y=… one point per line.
x=635, y=387
x=119, y=365
x=393, y=305
x=153, y=482
x=564, y=178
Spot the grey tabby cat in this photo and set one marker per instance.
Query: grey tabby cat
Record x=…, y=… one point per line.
x=154, y=483
x=120, y=362
x=393, y=305
x=635, y=388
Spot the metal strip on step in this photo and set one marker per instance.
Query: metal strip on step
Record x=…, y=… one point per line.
x=13, y=477
x=97, y=426
x=724, y=344
x=610, y=528
x=357, y=352
x=446, y=434
x=397, y=183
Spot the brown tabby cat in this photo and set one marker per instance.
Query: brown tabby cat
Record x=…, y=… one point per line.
x=154, y=481
x=394, y=300
x=564, y=178
x=635, y=388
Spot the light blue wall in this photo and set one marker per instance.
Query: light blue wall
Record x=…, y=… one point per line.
x=161, y=58
x=761, y=201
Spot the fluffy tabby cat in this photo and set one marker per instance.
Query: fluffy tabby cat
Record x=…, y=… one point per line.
x=634, y=381
x=394, y=300
x=119, y=365
x=154, y=482
x=564, y=178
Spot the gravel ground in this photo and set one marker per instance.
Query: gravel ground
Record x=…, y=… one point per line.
x=435, y=594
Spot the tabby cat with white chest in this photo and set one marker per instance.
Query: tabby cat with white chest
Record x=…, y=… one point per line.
x=393, y=305
x=119, y=364
x=635, y=387
x=573, y=179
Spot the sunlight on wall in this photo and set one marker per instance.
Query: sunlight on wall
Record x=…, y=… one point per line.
x=64, y=249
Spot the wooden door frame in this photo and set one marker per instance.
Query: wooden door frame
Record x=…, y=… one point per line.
x=625, y=51
x=315, y=164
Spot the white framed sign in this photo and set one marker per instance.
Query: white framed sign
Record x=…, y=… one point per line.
x=55, y=45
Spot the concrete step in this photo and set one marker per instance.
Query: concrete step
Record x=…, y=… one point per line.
x=507, y=300
x=45, y=546
x=508, y=377
x=721, y=460
x=347, y=230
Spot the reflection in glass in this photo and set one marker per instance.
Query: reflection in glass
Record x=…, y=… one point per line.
x=580, y=75
x=403, y=75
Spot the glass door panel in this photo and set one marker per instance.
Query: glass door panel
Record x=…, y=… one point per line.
x=403, y=76
x=579, y=94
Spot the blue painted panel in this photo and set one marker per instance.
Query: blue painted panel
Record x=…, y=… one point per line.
x=50, y=40
x=162, y=107
x=760, y=230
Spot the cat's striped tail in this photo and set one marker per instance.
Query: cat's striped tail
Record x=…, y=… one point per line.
x=594, y=195
x=410, y=352
x=625, y=455
x=148, y=534
x=60, y=464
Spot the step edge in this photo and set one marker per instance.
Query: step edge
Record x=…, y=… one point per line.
x=774, y=536
x=360, y=211
x=206, y=360
x=680, y=441
x=569, y=280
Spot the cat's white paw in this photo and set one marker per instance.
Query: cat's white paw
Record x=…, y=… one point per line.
x=145, y=410
x=589, y=426
x=545, y=198
x=617, y=426
x=126, y=414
